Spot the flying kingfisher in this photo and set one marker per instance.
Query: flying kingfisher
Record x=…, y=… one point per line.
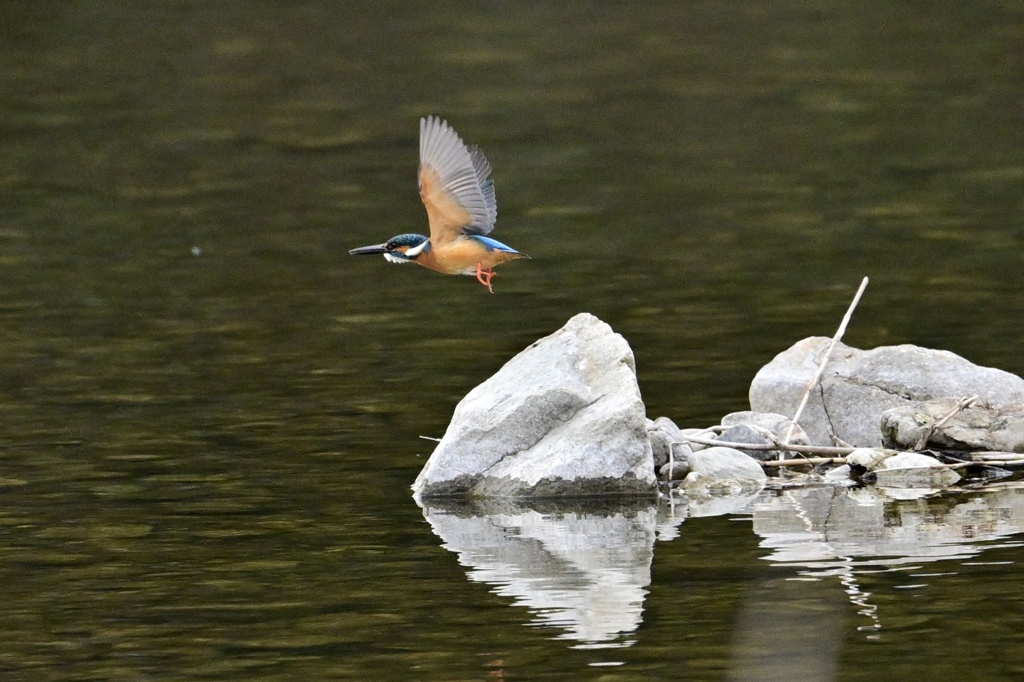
x=461, y=208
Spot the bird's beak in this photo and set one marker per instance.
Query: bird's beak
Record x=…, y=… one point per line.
x=363, y=250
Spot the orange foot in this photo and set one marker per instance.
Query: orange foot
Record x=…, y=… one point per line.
x=484, y=276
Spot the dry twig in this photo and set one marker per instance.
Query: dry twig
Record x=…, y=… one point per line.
x=777, y=445
x=935, y=426
x=824, y=360
x=804, y=461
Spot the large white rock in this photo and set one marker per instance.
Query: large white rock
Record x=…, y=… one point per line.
x=858, y=386
x=562, y=418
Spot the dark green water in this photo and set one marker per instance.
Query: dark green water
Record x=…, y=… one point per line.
x=211, y=413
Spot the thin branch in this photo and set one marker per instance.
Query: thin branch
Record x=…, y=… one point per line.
x=804, y=461
x=824, y=360
x=935, y=426
x=977, y=458
x=788, y=447
x=989, y=456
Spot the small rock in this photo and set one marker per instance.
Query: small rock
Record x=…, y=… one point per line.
x=661, y=442
x=743, y=433
x=667, y=425
x=706, y=434
x=662, y=432
x=914, y=470
x=867, y=459
x=724, y=468
x=681, y=459
x=674, y=473
x=778, y=424
x=839, y=475
x=907, y=460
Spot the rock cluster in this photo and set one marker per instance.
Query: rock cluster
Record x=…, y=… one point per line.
x=564, y=418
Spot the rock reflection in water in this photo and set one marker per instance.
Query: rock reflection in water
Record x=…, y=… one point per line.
x=791, y=627
x=826, y=528
x=581, y=569
x=585, y=570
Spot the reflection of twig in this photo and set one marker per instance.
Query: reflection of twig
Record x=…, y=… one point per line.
x=935, y=426
x=858, y=596
x=846, y=573
x=821, y=368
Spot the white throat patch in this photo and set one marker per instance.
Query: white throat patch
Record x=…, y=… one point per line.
x=417, y=250
x=392, y=258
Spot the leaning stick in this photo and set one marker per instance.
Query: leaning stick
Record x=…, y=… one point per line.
x=821, y=368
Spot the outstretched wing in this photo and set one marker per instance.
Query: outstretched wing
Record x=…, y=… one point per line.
x=454, y=184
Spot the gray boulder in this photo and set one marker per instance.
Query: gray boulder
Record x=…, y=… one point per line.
x=977, y=427
x=858, y=386
x=562, y=418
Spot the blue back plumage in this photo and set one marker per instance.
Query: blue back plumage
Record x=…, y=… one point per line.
x=492, y=244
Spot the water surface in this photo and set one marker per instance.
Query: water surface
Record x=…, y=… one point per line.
x=211, y=413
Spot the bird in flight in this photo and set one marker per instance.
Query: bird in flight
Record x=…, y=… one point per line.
x=461, y=209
